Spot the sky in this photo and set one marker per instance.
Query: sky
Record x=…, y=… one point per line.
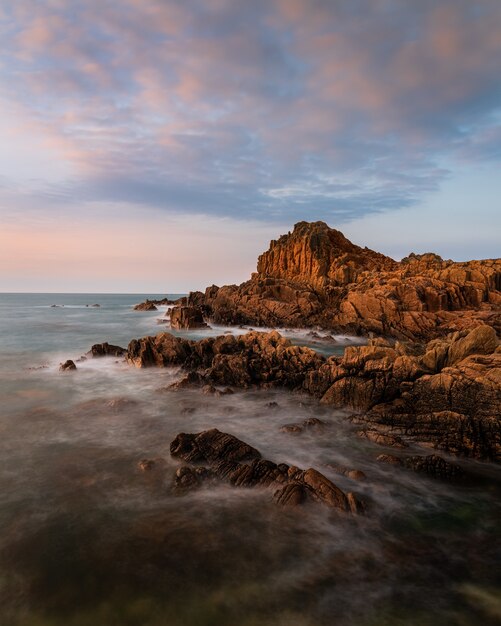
x=158, y=145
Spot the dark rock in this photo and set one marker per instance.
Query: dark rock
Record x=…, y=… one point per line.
x=211, y=446
x=106, y=349
x=226, y=456
x=67, y=366
x=148, y=305
x=432, y=464
x=312, y=423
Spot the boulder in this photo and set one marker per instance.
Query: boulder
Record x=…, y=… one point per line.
x=67, y=366
x=187, y=317
x=106, y=349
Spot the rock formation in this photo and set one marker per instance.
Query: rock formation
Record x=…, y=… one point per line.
x=106, y=349
x=186, y=317
x=446, y=393
x=314, y=276
x=264, y=359
x=232, y=461
x=148, y=305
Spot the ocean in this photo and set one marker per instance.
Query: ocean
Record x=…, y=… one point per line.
x=87, y=538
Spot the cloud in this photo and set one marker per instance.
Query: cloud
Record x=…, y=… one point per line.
x=271, y=109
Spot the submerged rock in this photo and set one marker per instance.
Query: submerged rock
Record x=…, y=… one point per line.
x=432, y=465
x=311, y=423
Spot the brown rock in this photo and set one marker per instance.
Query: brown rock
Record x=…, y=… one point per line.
x=211, y=446
x=148, y=305
x=106, y=349
x=67, y=366
x=186, y=317
x=315, y=277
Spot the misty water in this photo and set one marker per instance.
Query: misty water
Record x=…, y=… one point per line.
x=88, y=539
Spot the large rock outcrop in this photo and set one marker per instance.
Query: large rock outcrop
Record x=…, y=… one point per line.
x=314, y=276
x=447, y=392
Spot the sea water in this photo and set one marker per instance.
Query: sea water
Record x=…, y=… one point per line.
x=88, y=539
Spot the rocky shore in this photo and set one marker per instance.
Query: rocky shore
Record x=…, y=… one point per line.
x=445, y=393
x=430, y=373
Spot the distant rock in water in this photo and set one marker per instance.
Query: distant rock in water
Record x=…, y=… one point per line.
x=106, y=349
x=235, y=462
x=148, y=305
x=67, y=366
x=315, y=277
x=187, y=317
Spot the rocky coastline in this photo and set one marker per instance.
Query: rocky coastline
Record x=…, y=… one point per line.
x=429, y=374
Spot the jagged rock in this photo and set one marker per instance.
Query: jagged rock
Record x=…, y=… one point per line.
x=211, y=446
x=315, y=277
x=186, y=317
x=432, y=464
x=106, y=349
x=264, y=359
x=226, y=456
x=148, y=305
x=67, y=366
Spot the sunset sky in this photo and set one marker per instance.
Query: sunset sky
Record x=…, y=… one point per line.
x=159, y=145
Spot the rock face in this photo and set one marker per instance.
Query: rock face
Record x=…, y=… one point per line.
x=227, y=456
x=447, y=392
x=148, y=305
x=186, y=317
x=314, y=276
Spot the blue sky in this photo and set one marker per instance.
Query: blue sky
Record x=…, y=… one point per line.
x=140, y=133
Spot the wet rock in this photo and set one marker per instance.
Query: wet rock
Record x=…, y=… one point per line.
x=148, y=305
x=146, y=465
x=353, y=474
x=292, y=494
x=187, y=317
x=191, y=380
x=312, y=423
x=106, y=349
x=67, y=366
x=210, y=446
x=226, y=456
x=433, y=465
x=382, y=439
x=189, y=477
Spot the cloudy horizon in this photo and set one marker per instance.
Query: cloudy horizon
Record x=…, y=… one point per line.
x=159, y=146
